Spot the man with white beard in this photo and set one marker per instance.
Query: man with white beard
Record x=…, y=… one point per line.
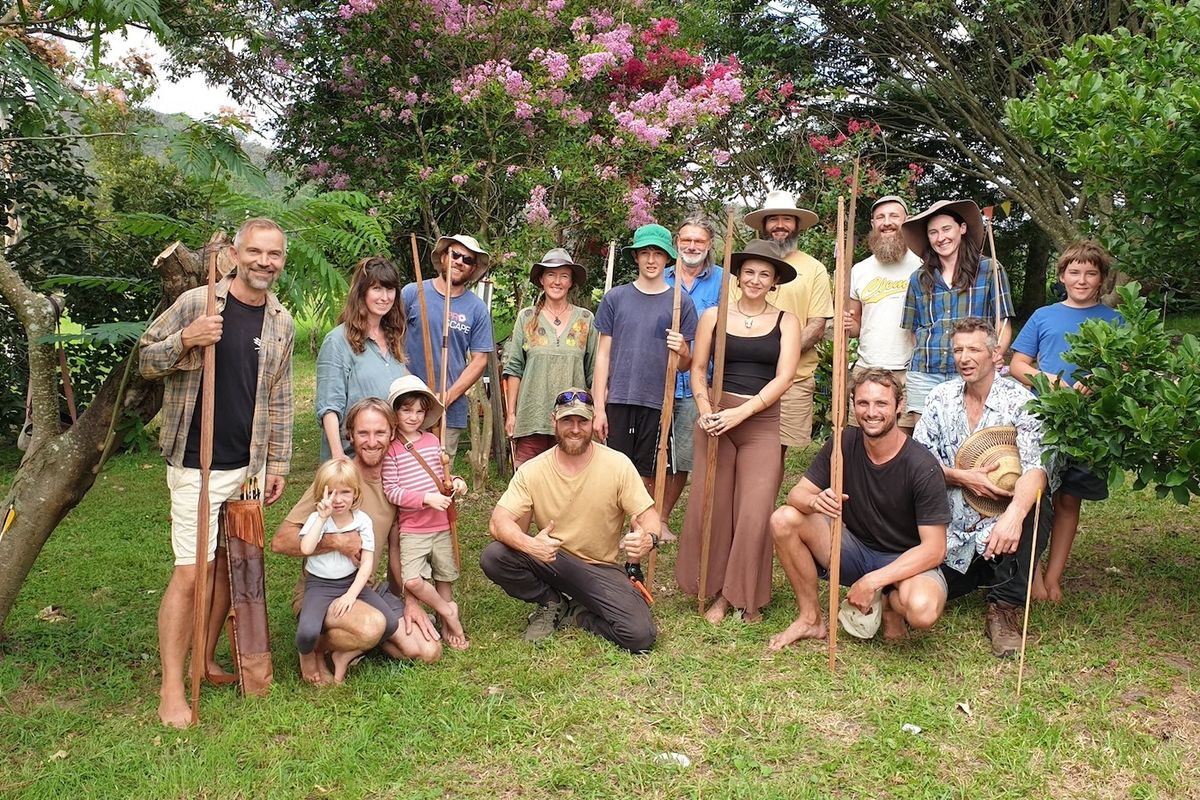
x=702, y=282
x=878, y=285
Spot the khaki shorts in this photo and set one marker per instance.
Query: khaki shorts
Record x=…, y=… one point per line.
x=451, y=444
x=796, y=413
x=907, y=419
x=184, y=485
x=427, y=555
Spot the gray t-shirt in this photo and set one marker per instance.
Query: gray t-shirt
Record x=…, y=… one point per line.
x=638, y=324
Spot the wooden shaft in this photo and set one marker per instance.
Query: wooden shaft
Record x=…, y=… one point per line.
x=850, y=218
x=1037, y=517
x=452, y=512
x=608, y=272
x=664, y=424
x=1000, y=320
x=838, y=411
x=200, y=598
x=715, y=391
x=428, y=342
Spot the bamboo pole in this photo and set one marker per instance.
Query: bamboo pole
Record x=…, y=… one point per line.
x=200, y=598
x=664, y=422
x=428, y=343
x=1033, y=560
x=715, y=391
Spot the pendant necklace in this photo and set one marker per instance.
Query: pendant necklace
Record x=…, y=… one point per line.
x=748, y=321
x=557, y=315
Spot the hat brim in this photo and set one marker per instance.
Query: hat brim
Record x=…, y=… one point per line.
x=432, y=414
x=578, y=273
x=784, y=272
x=482, y=259
x=915, y=232
x=630, y=251
x=805, y=219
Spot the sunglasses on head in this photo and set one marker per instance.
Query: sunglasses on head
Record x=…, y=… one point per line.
x=571, y=397
x=469, y=260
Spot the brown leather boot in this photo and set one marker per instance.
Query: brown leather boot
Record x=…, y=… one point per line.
x=1002, y=624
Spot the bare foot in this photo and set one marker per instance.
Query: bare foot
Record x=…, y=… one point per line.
x=717, y=611
x=799, y=629
x=750, y=617
x=1054, y=592
x=174, y=711
x=1038, y=589
x=342, y=659
x=665, y=536
x=456, y=637
x=894, y=626
x=215, y=674
x=313, y=669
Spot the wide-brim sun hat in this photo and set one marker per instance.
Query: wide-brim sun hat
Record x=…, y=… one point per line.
x=858, y=624
x=781, y=203
x=411, y=384
x=763, y=250
x=556, y=259
x=482, y=259
x=982, y=449
x=650, y=236
x=915, y=228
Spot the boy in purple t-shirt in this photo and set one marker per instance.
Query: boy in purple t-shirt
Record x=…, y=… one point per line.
x=1041, y=347
x=634, y=321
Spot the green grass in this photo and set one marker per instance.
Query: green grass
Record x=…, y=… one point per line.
x=1109, y=709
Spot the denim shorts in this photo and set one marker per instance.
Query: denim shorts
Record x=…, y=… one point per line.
x=858, y=559
x=918, y=387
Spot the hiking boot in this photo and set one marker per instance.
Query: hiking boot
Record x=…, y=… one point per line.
x=545, y=619
x=1002, y=625
x=571, y=609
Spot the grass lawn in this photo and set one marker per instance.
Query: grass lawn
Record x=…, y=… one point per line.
x=1111, y=705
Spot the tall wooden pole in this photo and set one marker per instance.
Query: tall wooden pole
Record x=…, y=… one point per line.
x=1000, y=319
x=452, y=511
x=664, y=421
x=425, y=336
x=715, y=391
x=1033, y=562
x=608, y=272
x=200, y=598
x=838, y=410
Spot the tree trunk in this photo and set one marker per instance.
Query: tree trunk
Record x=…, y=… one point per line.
x=1037, y=261
x=60, y=467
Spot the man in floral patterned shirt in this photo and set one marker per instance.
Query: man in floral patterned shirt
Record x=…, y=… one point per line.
x=987, y=552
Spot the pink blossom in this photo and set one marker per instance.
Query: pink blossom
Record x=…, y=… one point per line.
x=318, y=170
x=458, y=180
x=425, y=173
x=339, y=181
x=593, y=64
x=405, y=115
x=556, y=64
x=355, y=7
x=839, y=140
x=415, y=80
x=281, y=65
x=595, y=140
x=536, y=212
x=410, y=98
x=820, y=144
x=640, y=201
x=720, y=157
x=575, y=115
x=833, y=172
x=512, y=170
x=786, y=89
x=523, y=110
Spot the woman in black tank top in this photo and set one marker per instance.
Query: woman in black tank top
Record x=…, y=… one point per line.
x=762, y=347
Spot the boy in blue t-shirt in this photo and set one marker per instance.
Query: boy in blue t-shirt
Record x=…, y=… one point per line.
x=1041, y=347
x=634, y=321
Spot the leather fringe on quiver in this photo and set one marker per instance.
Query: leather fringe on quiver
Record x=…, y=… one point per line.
x=242, y=521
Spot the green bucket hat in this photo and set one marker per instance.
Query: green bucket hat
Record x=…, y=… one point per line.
x=650, y=236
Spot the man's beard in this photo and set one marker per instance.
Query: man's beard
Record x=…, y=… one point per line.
x=785, y=245
x=569, y=448
x=886, y=429
x=888, y=248
x=701, y=260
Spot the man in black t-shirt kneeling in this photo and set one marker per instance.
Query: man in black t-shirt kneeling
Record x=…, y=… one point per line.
x=894, y=513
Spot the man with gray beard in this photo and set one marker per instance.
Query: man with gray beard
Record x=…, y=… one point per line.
x=878, y=285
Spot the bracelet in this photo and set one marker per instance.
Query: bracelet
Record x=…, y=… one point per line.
x=654, y=540
x=761, y=400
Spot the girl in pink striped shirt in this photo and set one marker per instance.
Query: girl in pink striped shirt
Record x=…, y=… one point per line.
x=419, y=547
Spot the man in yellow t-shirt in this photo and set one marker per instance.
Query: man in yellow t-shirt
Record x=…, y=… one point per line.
x=579, y=494
x=808, y=297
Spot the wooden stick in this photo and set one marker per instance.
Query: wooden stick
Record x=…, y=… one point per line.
x=1033, y=562
x=412, y=238
x=200, y=597
x=452, y=511
x=715, y=391
x=838, y=411
x=664, y=423
x=608, y=273
x=850, y=217
x=1000, y=320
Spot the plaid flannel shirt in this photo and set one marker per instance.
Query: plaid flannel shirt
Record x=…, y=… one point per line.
x=930, y=316
x=161, y=356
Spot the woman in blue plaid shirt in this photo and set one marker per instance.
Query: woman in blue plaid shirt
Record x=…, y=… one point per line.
x=953, y=283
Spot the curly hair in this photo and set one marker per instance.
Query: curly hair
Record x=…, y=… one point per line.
x=373, y=271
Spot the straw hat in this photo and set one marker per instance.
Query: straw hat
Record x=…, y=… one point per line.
x=782, y=204
x=481, y=256
x=914, y=229
x=763, y=250
x=556, y=258
x=985, y=447
x=409, y=384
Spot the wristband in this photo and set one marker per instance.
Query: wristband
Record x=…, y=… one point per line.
x=654, y=540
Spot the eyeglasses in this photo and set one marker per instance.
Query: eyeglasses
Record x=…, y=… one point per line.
x=571, y=397
x=463, y=257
